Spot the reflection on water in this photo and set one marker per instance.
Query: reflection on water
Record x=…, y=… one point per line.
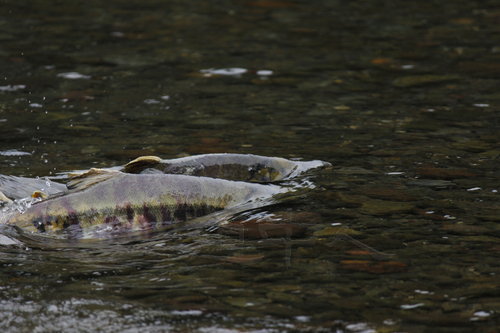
x=402, y=98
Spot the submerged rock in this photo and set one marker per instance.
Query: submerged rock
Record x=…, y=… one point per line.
x=334, y=231
x=432, y=183
x=376, y=267
x=421, y=80
x=444, y=173
x=256, y=229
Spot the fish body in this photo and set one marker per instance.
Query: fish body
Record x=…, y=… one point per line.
x=243, y=167
x=139, y=201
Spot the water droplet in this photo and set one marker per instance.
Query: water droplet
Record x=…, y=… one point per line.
x=19, y=205
x=12, y=87
x=13, y=152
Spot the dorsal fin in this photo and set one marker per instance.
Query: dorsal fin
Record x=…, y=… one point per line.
x=93, y=176
x=141, y=163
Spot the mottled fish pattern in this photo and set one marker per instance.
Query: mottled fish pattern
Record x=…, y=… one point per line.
x=243, y=167
x=138, y=202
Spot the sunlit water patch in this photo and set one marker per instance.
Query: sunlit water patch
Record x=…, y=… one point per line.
x=12, y=87
x=235, y=71
x=14, y=152
x=73, y=76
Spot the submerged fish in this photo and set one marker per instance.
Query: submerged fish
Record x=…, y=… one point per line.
x=135, y=202
x=244, y=167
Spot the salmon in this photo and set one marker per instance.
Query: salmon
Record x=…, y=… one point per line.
x=138, y=201
x=149, y=192
x=243, y=167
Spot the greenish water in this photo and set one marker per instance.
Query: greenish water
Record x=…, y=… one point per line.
x=403, y=234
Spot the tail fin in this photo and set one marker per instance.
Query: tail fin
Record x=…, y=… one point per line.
x=14, y=187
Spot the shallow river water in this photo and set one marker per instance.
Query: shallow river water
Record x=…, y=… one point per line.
x=401, y=235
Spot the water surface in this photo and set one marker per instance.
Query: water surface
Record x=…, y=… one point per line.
x=402, y=235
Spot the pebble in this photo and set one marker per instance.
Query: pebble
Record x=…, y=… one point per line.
x=444, y=173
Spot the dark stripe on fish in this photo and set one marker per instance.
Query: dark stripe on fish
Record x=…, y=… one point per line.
x=72, y=220
x=180, y=212
x=130, y=213
x=166, y=217
x=113, y=220
x=148, y=216
x=123, y=218
x=203, y=209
